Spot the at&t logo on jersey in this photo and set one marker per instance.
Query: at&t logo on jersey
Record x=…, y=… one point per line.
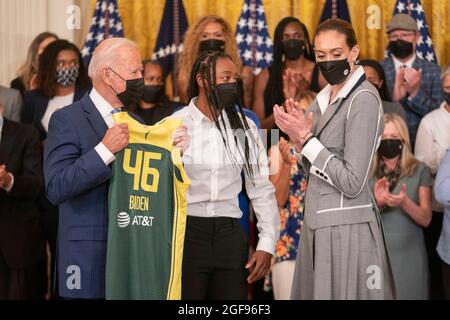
x=124, y=220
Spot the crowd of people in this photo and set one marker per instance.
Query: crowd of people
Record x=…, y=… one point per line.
x=356, y=182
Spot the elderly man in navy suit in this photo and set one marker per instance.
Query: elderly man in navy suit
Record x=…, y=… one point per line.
x=81, y=143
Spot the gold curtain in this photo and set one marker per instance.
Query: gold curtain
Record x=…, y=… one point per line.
x=141, y=20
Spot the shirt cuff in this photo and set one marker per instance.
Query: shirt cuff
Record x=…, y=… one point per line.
x=267, y=245
x=312, y=149
x=104, y=153
x=11, y=184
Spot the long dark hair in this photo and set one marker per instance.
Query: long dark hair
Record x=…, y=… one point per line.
x=273, y=94
x=384, y=93
x=205, y=66
x=46, y=76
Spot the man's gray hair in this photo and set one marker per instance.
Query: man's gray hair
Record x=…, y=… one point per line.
x=108, y=55
x=445, y=72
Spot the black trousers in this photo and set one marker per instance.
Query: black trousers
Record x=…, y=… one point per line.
x=446, y=280
x=19, y=284
x=214, y=258
x=432, y=234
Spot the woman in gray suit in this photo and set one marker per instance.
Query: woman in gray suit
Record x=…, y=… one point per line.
x=342, y=252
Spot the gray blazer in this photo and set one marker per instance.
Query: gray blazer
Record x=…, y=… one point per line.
x=339, y=160
x=12, y=102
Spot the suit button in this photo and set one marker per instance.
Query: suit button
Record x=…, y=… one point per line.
x=317, y=171
x=321, y=174
x=325, y=177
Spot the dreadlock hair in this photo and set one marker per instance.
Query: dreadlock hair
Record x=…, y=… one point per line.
x=273, y=94
x=205, y=66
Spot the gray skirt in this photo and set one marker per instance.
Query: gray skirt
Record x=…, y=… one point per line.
x=343, y=262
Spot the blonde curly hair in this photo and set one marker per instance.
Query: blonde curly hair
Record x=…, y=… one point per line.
x=191, y=45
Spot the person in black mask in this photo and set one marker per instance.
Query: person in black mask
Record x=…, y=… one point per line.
x=154, y=104
x=334, y=142
x=210, y=33
x=225, y=144
x=292, y=70
x=402, y=189
x=412, y=81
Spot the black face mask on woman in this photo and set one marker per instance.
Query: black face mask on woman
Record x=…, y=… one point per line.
x=294, y=48
x=212, y=45
x=401, y=48
x=390, y=148
x=133, y=91
x=152, y=94
x=227, y=94
x=334, y=71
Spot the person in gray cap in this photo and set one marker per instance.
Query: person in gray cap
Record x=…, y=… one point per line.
x=411, y=80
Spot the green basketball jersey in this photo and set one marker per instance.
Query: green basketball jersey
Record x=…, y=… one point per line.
x=147, y=214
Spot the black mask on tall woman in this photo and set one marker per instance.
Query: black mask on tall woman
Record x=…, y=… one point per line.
x=401, y=48
x=227, y=94
x=212, y=45
x=294, y=48
x=390, y=148
x=334, y=71
x=152, y=94
x=133, y=91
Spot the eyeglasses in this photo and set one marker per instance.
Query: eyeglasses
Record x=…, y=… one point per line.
x=401, y=36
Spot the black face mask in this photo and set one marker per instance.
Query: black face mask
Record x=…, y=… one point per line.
x=390, y=148
x=447, y=98
x=133, y=91
x=401, y=48
x=334, y=71
x=294, y=48
x=152, y=94
x=227, y=94
x=212, y=45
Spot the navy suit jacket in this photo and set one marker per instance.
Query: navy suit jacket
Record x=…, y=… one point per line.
x=35, y=105
x=77, y=180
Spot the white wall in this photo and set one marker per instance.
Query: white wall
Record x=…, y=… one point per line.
x=22, y=20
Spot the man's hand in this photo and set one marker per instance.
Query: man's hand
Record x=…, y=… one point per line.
x=259, y=265
x=181, y=138
x=400, y=89
x=5, y=177
x=116, y=138
x=413, y=78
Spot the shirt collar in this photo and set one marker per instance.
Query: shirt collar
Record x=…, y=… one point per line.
x=398, y=63
x=324, y=96
x=103, y=106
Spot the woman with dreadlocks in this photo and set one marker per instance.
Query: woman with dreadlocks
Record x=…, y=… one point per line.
x=292, y=70
x=224, y=144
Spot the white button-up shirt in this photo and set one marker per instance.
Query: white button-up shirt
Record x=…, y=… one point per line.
x=105, y=110
x=215, y=175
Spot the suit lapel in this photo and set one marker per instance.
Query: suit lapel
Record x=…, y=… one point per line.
x=7, y=141
x=94, y=117
x=327, y=116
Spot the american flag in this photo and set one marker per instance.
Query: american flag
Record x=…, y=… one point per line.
x=335, y=9
x=170, y=37
x=424, y=48
x=106, y=23
x=252, y=36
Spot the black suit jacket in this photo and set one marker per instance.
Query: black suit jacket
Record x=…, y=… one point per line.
x=21, y=242
x=35, y=105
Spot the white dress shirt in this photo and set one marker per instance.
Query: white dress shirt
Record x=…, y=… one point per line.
x=105, y=110
x=216, y=179
x=398, y=63
x=433, y=137
x=55, y=104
